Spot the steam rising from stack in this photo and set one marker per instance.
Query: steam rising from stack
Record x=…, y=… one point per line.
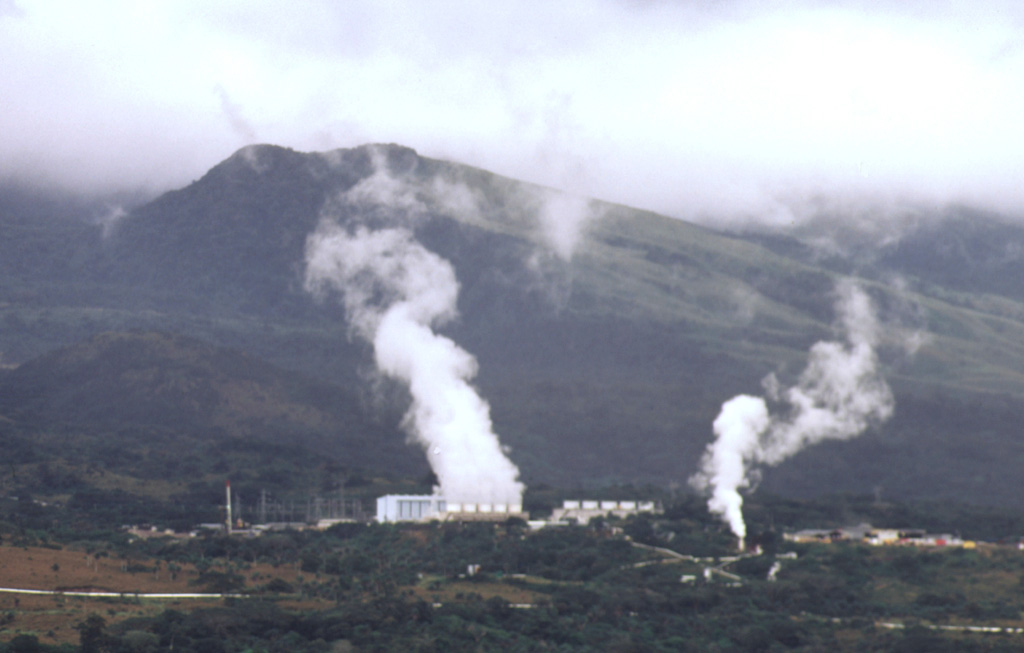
x=838, y=396
x=395, y=292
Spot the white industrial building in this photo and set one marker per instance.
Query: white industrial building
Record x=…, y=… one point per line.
x=583, y=511
x=877, y=536
x=412, y=508
x=408, y=507
x=394, y=508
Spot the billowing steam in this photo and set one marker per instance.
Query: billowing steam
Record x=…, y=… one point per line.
x=738, y=430
x=563, y=218
x=395, y=291
x=837, y=396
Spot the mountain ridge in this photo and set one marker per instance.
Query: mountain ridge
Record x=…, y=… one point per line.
x=605, y=361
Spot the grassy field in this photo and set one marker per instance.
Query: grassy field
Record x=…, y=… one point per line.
x=52, y=618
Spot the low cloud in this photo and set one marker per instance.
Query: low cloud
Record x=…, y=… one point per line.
x=723, y=112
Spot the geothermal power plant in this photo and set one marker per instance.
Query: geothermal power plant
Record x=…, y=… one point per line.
x=317, y=512
x=409, y=508
x=423, y=508
x=397, y=293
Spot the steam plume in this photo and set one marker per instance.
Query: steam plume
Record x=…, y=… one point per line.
x=838, y=395
x=395, y=291
x=563, y=220
x=737, y=430
x=109, y=221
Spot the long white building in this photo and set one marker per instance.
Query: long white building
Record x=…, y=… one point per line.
x=393, y=508
x=583, y=511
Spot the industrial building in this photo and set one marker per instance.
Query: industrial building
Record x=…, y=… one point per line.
x=878, y=536
x=583, y=511
x=407, y=507
x=393, y=508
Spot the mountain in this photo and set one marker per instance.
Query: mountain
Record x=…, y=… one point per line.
x=166, y=407
x=955, y=248
x=605, y=352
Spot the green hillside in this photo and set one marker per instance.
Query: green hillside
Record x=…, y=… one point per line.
x=181, y=414
x=606, y=366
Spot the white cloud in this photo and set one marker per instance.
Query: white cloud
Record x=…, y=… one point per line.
x=727, y=110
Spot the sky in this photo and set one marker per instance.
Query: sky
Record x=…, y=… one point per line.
x=711, y=110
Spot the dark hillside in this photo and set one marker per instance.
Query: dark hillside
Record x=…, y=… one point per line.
x=964, y=250
x=608, y=365
x=182, y=407
x=232, y=241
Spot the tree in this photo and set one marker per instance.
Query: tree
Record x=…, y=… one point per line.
x=24, y=644
x=219, y=582
x=92, y=634
x=139, y=641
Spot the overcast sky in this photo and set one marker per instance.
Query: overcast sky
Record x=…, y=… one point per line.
x=705, y=109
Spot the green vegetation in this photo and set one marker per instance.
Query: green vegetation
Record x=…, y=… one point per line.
x=606, y=368
x=125, y=397
x=410, y=588
x=124, y=418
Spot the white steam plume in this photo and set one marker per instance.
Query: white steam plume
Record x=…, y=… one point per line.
x=563, y=220
x=838, y=395
x=737, y=430
x=394, y=291
x=108, y=222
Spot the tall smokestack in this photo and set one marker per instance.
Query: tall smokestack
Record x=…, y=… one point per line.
x=227, y=491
